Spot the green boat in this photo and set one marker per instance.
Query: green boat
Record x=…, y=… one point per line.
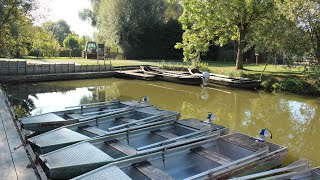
x=101, y=125
x=213, y=158
x=48, y=121
x=85, y=156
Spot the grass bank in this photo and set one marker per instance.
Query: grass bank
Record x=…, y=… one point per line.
x=275, y=77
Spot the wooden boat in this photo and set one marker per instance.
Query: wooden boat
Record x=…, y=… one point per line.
x=299, y=170
x=101, y=125
x=214, y=158
x=217, y=79
x=82, y=157
x=85, y=112
x=181, y=78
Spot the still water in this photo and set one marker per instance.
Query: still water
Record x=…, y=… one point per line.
x=293, y=120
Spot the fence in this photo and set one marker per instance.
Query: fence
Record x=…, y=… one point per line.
x=22, y=68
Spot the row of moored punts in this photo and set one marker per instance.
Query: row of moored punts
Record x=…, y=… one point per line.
x=135, y=140
x=191, y=77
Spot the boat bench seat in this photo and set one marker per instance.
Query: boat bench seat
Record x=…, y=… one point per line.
x=75, y=116
x=152, y=172
x=214, y=156
x=94, y=130
x=167, y=135
x=129, y=120
x=122, y=147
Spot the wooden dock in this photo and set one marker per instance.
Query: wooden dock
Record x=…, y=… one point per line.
x=14, y=160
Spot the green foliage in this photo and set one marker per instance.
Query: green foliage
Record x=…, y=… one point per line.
x=291, y=84
x=305, y=15
x=44, y=43
x=137, y=28
x=59, y=29
x=216, y=22
x=71, y=41
x=15, y=24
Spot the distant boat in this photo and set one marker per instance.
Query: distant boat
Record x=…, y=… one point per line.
x=84, y=112
x=299, y=170
x=136, y=142
x=100, y=126
x=171, y=76
x=212, y=158
x=217, y=79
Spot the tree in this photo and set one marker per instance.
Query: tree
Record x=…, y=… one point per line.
x=216, y=22
x=44, y=42
x=71, y=42
x=15, y=24
x=306, y=15
x=59, y=29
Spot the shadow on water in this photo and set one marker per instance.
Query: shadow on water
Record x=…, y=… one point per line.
x=294, y=120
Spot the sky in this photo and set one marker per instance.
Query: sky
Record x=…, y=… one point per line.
x=68, y=10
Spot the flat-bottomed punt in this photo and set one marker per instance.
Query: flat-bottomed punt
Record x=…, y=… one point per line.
x=299, y=170
x=181, y=78
x=237, y=82
x=99, y=126
x=213, y=158
x=82, y=157
x=49, y=121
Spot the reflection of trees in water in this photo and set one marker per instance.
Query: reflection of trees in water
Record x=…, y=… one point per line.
x=22, y=107
x=101, y=94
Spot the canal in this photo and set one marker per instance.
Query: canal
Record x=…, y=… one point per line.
x=293, y=120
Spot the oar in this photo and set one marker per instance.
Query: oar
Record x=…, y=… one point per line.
x=173, y=139
x=210, y=137
x=107, y=114
x=152, y=118
x=93, y=104
x=296, y=166
x=103, y=111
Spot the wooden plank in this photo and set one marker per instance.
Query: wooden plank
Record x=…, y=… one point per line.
x=75, y=116
x=166, y=135
x=94, y=130
x=214, y=156
x=152, y=172
x=122, y=147
x=128, y=120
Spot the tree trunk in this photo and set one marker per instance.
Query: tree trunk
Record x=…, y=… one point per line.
x=241, y=46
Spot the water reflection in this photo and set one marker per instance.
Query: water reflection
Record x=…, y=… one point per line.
x=293, y=120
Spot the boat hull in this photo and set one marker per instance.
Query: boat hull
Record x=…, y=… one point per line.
x=49, y=121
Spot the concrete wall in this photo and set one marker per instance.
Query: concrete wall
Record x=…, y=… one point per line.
x=22, y=68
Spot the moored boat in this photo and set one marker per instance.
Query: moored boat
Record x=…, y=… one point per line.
x=217, y=79
x=101, y=125
x=48, y=121
x=82, y=157
x=181, y=77
x=213, y=158
x=299, y=170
